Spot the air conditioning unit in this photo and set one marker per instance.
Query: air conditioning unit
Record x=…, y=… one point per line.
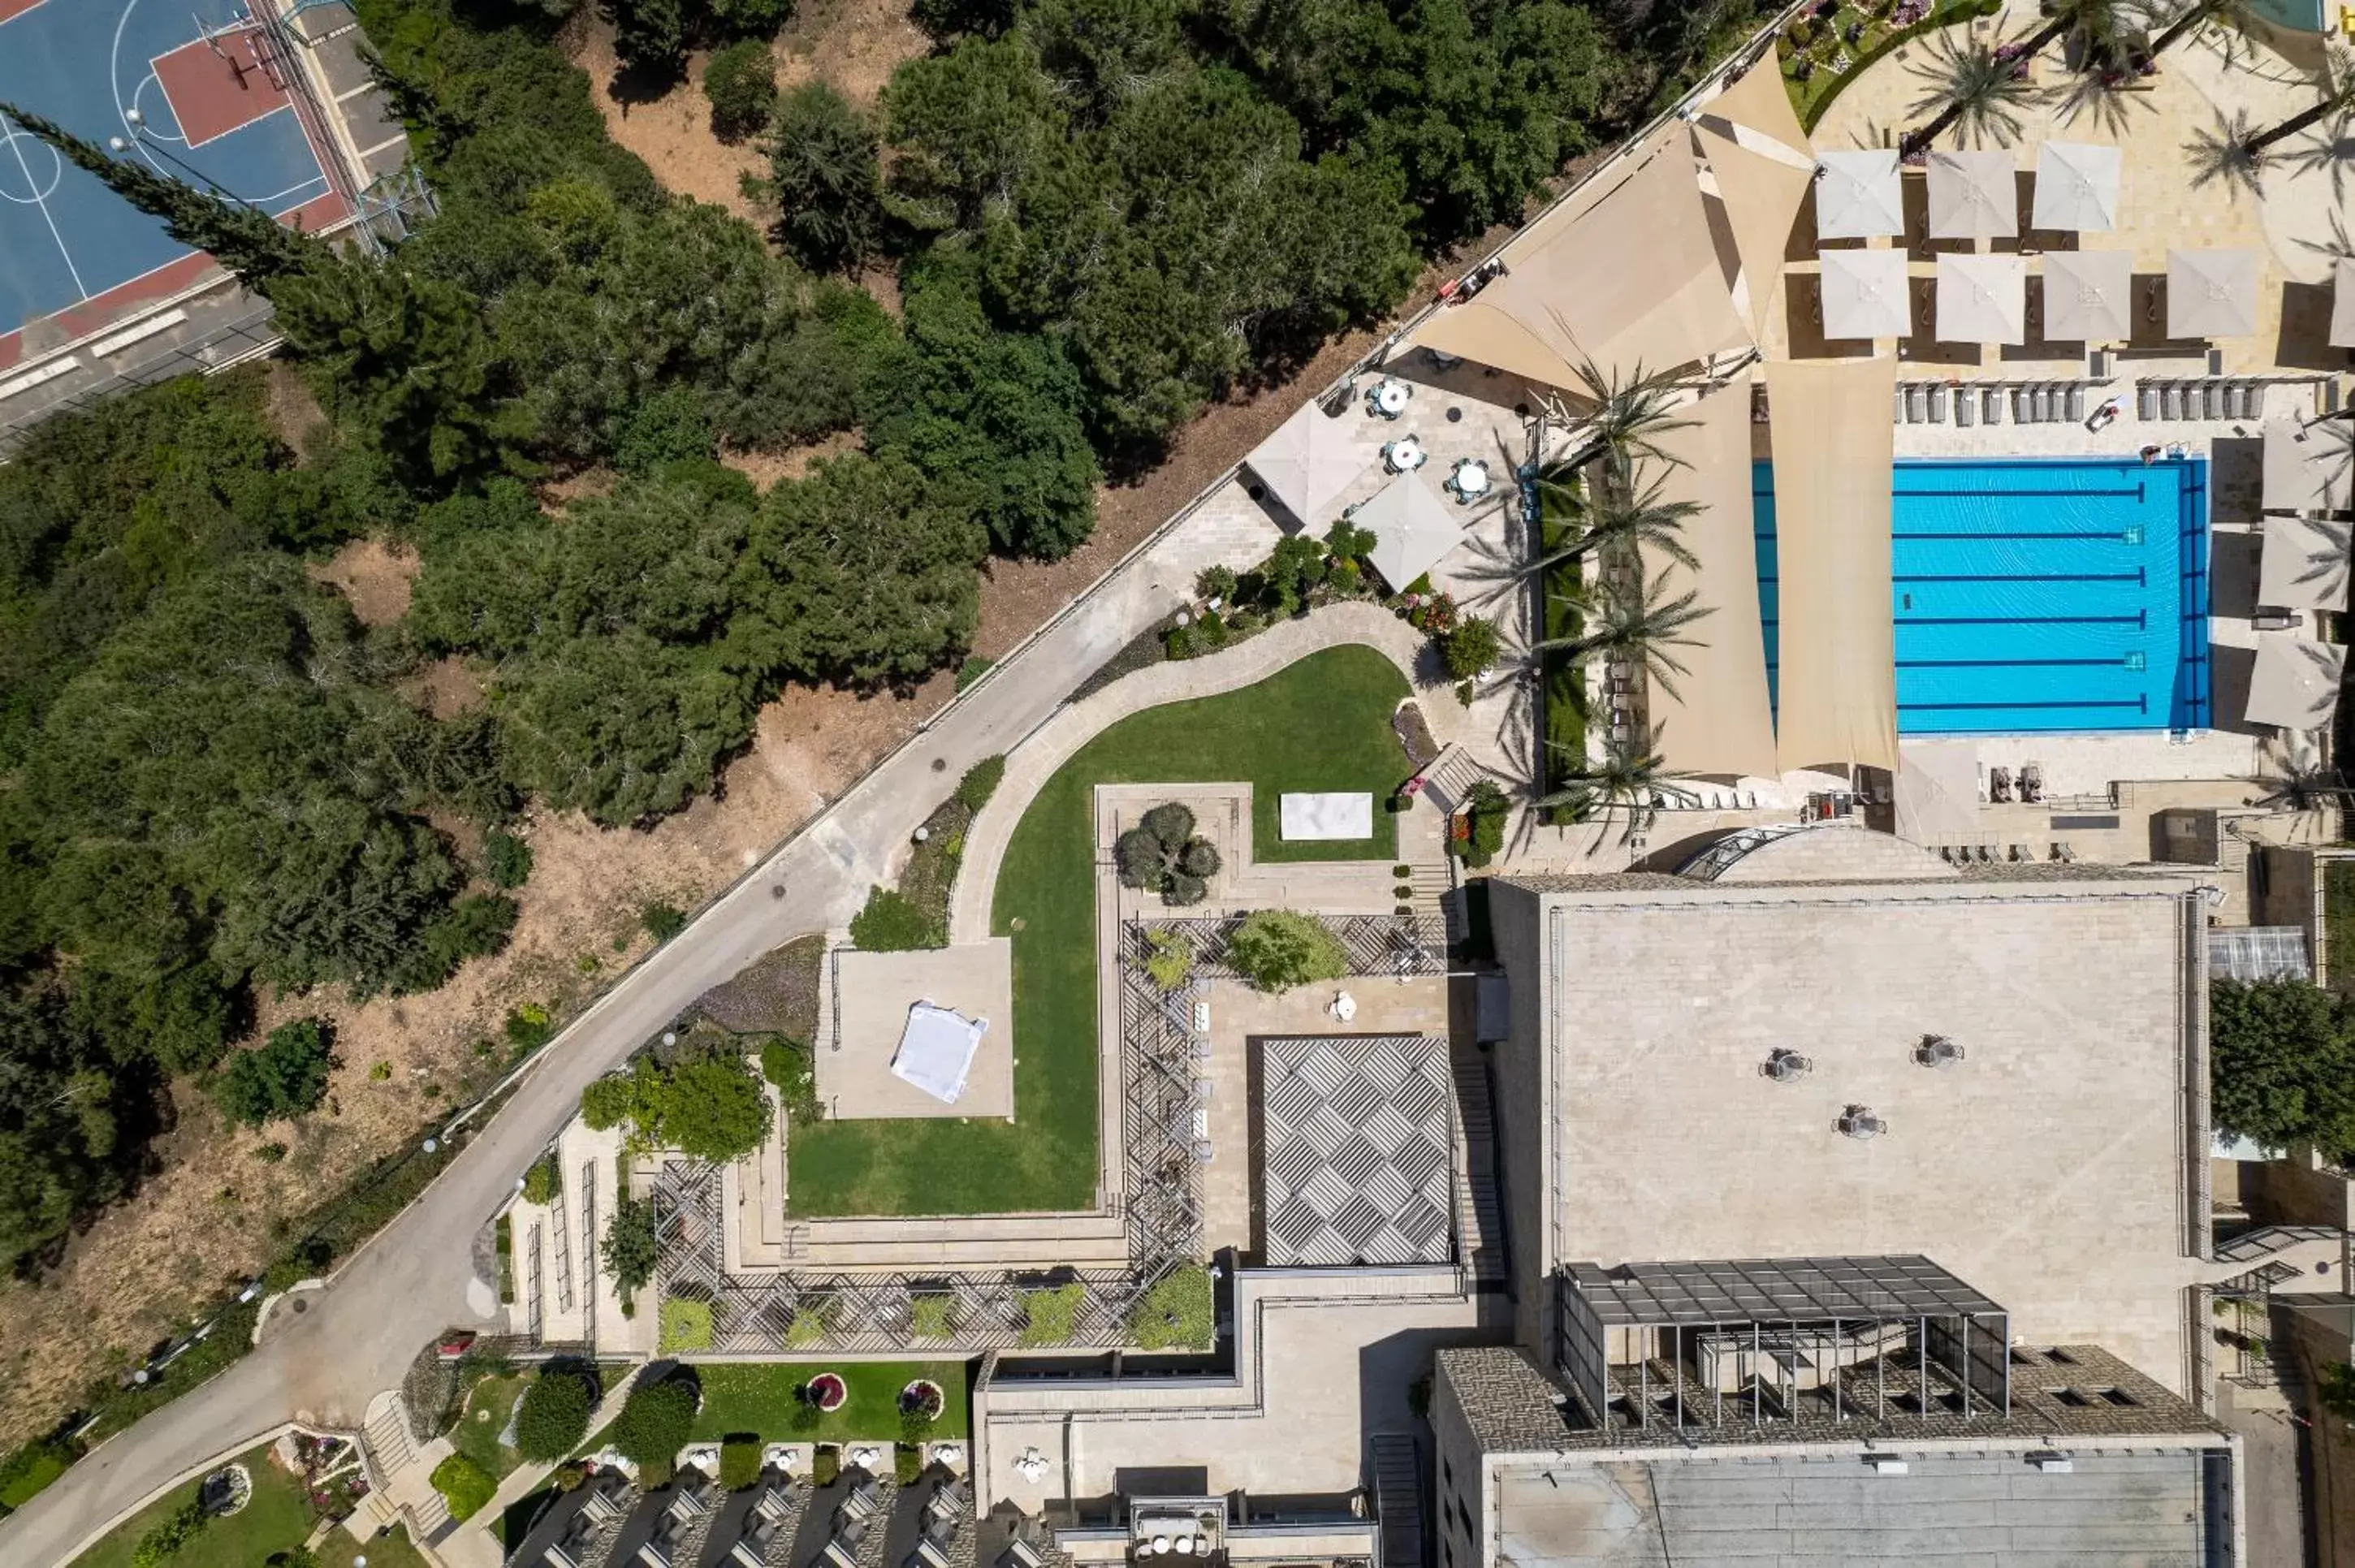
x=1937, y=1050
x=1859, y=1122
x=1786, y=1066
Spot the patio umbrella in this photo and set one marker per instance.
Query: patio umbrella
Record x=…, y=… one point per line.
x=2076, y=186
x=2212, y=293
x=1982, y=299
x=2306, y=468
x=2295, y=682
x=2304, y=566
x=2088, y=296
x=2342, y=306
x=1972, y=196
x=1412, y=526
x=1309, y=461
x=1857, y=195
x=1865, y=294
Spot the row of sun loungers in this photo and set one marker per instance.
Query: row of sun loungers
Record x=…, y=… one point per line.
x=2200, y=400
x=2026, y=402
x=1991, y=855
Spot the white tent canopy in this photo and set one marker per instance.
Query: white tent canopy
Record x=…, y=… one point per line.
x=2076, y=186
x=2294, y=683
x=1972, y=196
x=2212, y=293
x=2342, y=304
x=1858, y=196
x=2306, y=467
x=1412, y=526
x=2088, y=296
x=1982, y=299
x=2304, y=566
x=936, y=1051
x=1865, y=293
x=1308, y=463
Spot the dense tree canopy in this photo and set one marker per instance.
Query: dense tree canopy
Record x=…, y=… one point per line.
x=2281, y=1065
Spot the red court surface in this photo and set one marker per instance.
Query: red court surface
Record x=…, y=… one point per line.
x=211, y=96
x=15, y=7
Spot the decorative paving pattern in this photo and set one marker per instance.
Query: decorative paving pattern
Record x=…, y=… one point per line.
x=1355, y=1158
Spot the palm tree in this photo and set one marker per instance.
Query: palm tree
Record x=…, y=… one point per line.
x=1628, y=780
x=2203, y=17
x=2223, y=154
x=1615, y=518
x=1981, y=87
x=2299, y=782
x=1630, y=415
x=1640, y=622
x=2337, y=98
x=2095, y=28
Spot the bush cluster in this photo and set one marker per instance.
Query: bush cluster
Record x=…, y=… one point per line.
x=465, y=1487
x=552, y=1417
x=1163, y=853
x=1277, y=949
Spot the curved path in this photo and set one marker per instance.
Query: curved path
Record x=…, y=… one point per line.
x=1055, y=743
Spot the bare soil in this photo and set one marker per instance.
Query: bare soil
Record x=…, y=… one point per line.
x=295, y=414
x=765, y=468
x=373, y=576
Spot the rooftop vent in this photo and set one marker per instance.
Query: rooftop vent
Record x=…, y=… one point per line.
x=1859, y=1122
x=2051, y=1461
x=1786, y=1066
x=1937, y=1050
x=1885, y=1464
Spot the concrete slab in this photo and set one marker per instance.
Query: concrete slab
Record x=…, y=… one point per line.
x=873, y=992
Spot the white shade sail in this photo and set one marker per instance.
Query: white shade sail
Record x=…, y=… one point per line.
x=1866, y=295
x=1414, y=529
x=2342, y=304
x=2304, y=566
x=2076, y=186
x=2295, y=682
x=1972, y=196
x=1308, y=462
x=2307, y=467
x=1858, y=195
x=2212, y=293
x=2088, y=296
x=1982, y=299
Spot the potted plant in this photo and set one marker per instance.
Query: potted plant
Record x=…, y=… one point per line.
x=826, y=1393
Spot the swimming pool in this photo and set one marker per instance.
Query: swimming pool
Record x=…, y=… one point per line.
x=2038, y=595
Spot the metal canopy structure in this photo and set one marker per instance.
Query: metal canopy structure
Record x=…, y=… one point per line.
x=1982, y=299
x=2076, y=186
x=1972, y=196
x=2088, y=296
x=1354, y=1156
x=1858, y=195
x=2212, y=293
x=1778, y=1340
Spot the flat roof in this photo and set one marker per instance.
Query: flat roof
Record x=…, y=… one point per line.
x=2048, y=1167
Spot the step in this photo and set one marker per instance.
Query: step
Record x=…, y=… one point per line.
x=1398, y=1497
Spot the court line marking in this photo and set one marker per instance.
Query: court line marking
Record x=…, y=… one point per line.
x=72, y=271
x=140, y=91
x=28, y=11
x=56, y=161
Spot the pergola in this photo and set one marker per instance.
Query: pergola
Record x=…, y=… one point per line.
x=1972, y=196
x=2076, y=186
x=2212, y=293
x=1865, y=293
x=1982, y=299
x=1858, y=195
x=2088, y=296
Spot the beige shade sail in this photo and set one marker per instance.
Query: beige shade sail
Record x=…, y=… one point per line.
x=1626, y=276
x=2304, y=565
x=2088, y=296
x=2342, y=304
x=1858, y=196
x=1972, y=196
x=2076, y=186
x=1413, y=526
x=2307, y=467
x=1761, y=197
x=1834, y=455
x=1982, y=299
x=1718, y=720
x=1865, y=293
x=2295, y=682
x=1936, y=791
x=1756, y=112
x=2212, y=293
x=1308, y=463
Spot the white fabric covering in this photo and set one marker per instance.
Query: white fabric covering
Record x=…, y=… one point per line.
x=1340, y=815
x=936, y=1051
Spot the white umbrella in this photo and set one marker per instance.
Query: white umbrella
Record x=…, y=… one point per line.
x=1982, y=299
x=1412, y=527
x=2088, y=296
x=2306, y=468
x=2076, y=186
x=1864, y=294
x=1309, y=461
x=1857, y=195
x=2212, y=293
x=2342, y=306
x=2295, y=682
x=1972, y=196
x=2304, y=564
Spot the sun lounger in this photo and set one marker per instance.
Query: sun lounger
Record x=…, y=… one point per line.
x=1966, y=402
x=2172, y=403
x=2077, y=401
x=1917, y=404
x=1900, y=415
x=2147, y=401
x=1938, y=404
x=1991, y=409
x=2048, y=403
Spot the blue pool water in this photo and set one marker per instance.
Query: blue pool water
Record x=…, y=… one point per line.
x=2039, y=595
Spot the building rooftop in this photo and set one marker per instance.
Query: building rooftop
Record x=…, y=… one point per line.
x=1759, y=1290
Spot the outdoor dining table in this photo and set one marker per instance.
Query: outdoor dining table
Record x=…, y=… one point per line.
x=1388, y=399
x=1404, y=455
x=1469, y=479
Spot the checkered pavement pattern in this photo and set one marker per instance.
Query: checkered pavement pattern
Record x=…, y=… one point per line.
x=1356, y=1140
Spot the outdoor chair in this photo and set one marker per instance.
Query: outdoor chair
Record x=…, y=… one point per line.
x=1917, y=404
x=1991, y=406
x=2044, y=409
x=2212, y=400
x=1020, y=1553
x=558, y=1555
x=838, y=1555
x=2024, y=407
x=654, y=1553
x=2077, y=401
x=1203, y=1152
x=2172, y=401
x=2146, y=401
x=1964, y=406
x=1938, y=404
x=745, y=1555
x=1900, y=416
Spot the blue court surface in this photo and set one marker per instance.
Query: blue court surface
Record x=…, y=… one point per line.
x=2039, y=595
x=65, y=239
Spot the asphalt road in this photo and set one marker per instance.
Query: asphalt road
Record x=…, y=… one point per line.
x=359, y=1334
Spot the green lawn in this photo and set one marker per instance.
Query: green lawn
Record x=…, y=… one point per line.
x=761, y=1398
x=1320, y=724
x=277, y=1517
x=394, y=1551
x=477, y=1435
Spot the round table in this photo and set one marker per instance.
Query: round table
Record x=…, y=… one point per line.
x=1404, y=454
x=1471, y=478
x=1389, y=398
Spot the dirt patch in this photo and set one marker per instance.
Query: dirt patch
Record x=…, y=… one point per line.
x=554, y=494
x=765, y=468
x=673, y=133
x=293, y=412
x=374, y=578
x=776, y=993
x=445, y=688
x=853, y=44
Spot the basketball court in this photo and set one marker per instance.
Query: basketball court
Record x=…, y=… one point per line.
x=200, y=94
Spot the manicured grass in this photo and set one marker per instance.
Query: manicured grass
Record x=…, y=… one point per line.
x=477, y=1435
x=277, y=1517
x=394, y=1551
x=1320, y=724
x=762, y=1397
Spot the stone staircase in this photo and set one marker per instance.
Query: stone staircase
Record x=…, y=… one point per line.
x=1398, y=1498
x=1479, y=1213
x=400, y=1477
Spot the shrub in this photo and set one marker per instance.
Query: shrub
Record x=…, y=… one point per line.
x=1215, y=582
x=1177, y=1314
x=630, y=1247
x=28, y=1469
x=826, y=1467
x=1162, y=853
x=507, y=860
x=894, y=923
x=655, y=1421
x=971, y=669
x=685, y=1326
x=464, y=1486
x=540, y=1183
x=286, y=1076
x=740, y=81
x=788, y=1065
x=707, y=1105
x=270, y=1153
x=907, y=1463
x=980, y=782
x=173, y=1533
x=931, y=1316
x=1276, y=949
x=528, y=1027
x=552, y=1416
x=1051, y=1314
x=1168, y=959
x=1485, y=809
x=740, y=1463
x=1472, y=649
x=661, y=921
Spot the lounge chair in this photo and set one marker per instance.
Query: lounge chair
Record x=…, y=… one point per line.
x=1898, y=417
x=2048, y=403
x=2077, y=401
x=2172, y=403
x=1965, y=405
x=1917, y=404
x=1991, y=406
x=2024, y=407
x=1938, y=404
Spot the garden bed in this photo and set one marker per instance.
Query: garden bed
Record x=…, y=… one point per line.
x=1827, y=43
x=1563, y=588
x=488, y=1408
x=764, y=1398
